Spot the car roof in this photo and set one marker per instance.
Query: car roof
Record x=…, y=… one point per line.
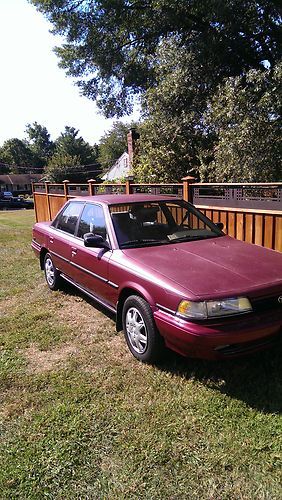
x=117, y=199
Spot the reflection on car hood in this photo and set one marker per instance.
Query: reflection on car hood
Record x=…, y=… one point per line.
x=218, y=266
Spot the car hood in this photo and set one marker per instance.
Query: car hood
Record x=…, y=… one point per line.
x=215, y=267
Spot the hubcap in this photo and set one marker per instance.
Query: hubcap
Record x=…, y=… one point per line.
x=136, y=330
x=49, y=271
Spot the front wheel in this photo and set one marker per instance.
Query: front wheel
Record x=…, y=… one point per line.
x=141, y=335
x=52, y=275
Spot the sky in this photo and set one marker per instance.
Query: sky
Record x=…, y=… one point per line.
x=32, y=86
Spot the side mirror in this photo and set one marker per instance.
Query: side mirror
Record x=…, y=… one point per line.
x=220, y=225
x=95, y=241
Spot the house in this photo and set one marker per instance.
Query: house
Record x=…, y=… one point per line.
x=119, y=170
x=18, y=183
x=122, y=167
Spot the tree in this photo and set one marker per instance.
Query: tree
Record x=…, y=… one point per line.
x=173, y=133
x=39, y=142
x=113, y=143
x=73, y=159
x=64, y=166
x=18, y=155
x=112, y=46
x=245, y=116
x=70, y=143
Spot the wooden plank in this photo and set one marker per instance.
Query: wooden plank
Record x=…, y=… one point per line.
x=240, y=227
x=56, y=202
x=278, y=234
x=42, y=209
x=223, y=219
x=258, y=229
x=242, y=210
x=215, y=216
x=231, y=224
x=195, y=222
x=268, y=231
x=249, y=226
x=208, y=214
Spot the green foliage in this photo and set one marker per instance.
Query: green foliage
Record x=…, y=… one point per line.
x=111, y=46
x=70, y=156
x=39, y=142
x=174, y=52
x=70, y=143
x=64, y=166
x=17, y=154
x=245, y=116
x=73, y=158
x=113, y=143
x=173, y=134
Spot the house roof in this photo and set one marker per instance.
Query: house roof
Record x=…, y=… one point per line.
x=13, y=179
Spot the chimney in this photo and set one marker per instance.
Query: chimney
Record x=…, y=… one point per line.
x=132, y=137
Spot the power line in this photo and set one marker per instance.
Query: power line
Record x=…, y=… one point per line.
x=106, y=163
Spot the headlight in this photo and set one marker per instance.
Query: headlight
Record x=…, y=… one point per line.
x=213, y=308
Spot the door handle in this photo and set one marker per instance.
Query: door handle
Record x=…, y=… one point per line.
x=73, y=251
x=51, y=240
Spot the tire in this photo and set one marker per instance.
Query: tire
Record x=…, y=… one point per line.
x=141, y=335
x=52, y=274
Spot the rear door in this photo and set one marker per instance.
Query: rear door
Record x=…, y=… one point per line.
x=61, y=236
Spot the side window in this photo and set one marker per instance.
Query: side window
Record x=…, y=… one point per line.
x=68, y=218
x=92, y=221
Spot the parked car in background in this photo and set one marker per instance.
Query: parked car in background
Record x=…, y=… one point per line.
x=6, y=195
x=170, y=275
x=15, y=203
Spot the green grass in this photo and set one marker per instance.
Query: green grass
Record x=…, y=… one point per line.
x=80, y=418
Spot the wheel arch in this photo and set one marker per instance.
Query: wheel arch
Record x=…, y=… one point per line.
x=43, y=252
x=130, y=289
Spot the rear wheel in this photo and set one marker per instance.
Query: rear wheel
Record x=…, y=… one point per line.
x=52, y=274
x=141, y=335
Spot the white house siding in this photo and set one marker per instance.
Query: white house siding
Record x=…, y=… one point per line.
x=120, y=169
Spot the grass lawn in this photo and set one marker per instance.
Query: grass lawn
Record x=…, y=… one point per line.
x=80, y=418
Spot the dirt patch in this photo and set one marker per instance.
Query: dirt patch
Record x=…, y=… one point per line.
x=12, y=303
x=118, y=349
x=93, y=341
x=44, y=361
x=87, y=321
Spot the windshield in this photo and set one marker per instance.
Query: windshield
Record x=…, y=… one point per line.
x=160, y=223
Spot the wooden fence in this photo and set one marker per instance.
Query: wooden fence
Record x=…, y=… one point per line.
x=249, y=212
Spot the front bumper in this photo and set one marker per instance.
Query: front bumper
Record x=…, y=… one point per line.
x=232, y=337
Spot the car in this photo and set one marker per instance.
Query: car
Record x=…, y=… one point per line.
x=6, y=194
x=15, y=203
x=170, y=275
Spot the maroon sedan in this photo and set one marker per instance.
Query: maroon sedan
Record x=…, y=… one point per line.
x=171, y=276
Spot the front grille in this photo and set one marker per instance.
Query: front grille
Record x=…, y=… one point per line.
x=267, y=304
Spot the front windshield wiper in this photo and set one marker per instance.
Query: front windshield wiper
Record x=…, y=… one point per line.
x=141, y=242
x=193, y=238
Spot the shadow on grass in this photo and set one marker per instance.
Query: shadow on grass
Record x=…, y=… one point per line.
x=71, y=290
x=255, y=379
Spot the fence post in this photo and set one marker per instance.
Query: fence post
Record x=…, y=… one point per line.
x=66, y=191
x=48, y=201
x=187, y=191
x=128, y=184
x=91, y=188
x=35, y=204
